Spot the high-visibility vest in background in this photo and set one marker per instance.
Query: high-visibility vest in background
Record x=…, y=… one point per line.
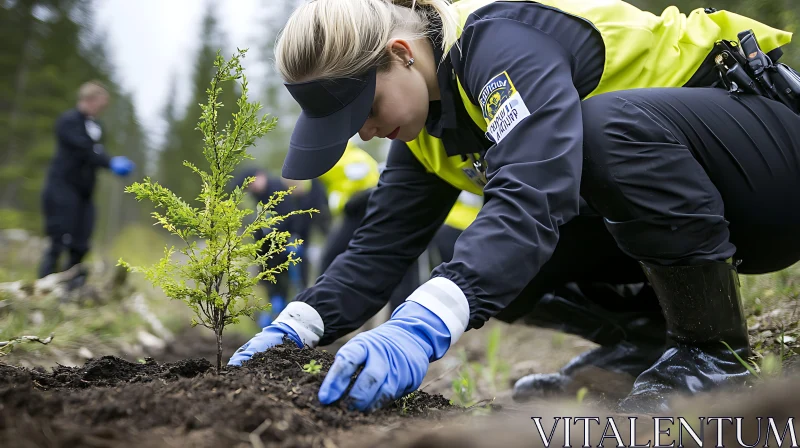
x=355, y=171
x=464, y=211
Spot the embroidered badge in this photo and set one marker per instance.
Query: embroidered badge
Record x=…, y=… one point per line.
x=502, y=107
x=507, y=118
x=494, y=94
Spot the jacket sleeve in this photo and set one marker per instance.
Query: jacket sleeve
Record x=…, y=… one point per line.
x=403, y=213
x=534, y=166
x=71, y=132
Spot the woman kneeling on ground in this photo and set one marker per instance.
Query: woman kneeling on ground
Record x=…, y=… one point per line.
x=606, y=150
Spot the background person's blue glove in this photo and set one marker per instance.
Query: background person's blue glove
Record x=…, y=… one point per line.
x=396, y=355
x=295, y=274
x=121, y=165
x=264, y=318
x=269, y=337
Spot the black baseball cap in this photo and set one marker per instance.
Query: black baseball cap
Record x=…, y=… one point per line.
x=333, y=110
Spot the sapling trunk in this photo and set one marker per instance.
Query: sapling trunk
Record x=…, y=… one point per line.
x=218, y=322
x=219, y=349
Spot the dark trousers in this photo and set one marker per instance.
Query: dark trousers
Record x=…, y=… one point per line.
x=280, y=287
x=339, y=239
x=677, y=176
x=69, y=222
x=586, y=254
x=685, y=176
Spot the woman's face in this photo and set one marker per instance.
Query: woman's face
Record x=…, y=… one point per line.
x=400, y=107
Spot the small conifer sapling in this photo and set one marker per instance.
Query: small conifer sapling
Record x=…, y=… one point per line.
x=218, y=249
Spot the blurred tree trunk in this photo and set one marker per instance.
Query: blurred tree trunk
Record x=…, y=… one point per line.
x=25, y=21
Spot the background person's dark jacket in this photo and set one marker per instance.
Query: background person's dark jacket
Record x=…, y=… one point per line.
x=79, y=153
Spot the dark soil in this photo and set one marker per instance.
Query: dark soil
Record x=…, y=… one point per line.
x=113, y=402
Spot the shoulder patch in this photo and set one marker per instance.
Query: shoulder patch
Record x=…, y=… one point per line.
x=494, y=94
x=502, y=106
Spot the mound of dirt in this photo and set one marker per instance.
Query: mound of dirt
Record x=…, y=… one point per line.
x=111, y=402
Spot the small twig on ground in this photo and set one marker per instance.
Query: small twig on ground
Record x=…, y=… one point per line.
x=17, y=340
x=485, y=400
x=311, y=422
x=440, y=376
x=255, y=436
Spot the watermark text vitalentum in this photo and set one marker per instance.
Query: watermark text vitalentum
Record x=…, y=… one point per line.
x=669, y=432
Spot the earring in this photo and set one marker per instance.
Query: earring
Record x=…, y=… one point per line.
x=410, y=61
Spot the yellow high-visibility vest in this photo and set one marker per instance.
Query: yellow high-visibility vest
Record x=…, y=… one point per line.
x=641, y=50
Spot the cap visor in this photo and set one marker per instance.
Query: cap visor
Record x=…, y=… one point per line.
x=318, y=143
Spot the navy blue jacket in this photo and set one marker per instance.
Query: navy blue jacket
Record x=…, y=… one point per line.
x=554, y=60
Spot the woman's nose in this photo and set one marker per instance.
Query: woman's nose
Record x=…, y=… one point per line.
x=368, y=131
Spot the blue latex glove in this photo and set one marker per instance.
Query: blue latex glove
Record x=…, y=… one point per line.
x=268, y=337
x=121, y=165
x=264, y=318
x=396, y=353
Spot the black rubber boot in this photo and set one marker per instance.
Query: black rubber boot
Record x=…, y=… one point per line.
x=703, y=308
x=77, y=281
x=50, y=258
x=629, y=327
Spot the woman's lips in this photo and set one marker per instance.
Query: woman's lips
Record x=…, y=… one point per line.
x=393, y=134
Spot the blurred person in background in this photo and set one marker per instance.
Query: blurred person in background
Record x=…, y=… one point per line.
x=307, y=195
x=261, y=189
x=348, y=186
x=67, y=196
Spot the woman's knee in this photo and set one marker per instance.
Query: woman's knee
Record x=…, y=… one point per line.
x=618, y=130
x=602, y=153
x=596, y=136
x=641, y=176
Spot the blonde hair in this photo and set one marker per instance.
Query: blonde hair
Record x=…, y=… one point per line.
x=92, y=89
x=341, y=38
